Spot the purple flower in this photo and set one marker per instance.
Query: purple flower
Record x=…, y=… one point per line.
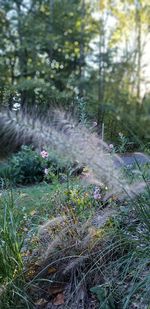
x=97, y=195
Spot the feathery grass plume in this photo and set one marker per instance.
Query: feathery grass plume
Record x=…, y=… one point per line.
x=54, y=223
x=14, y=133
x=17, y=129
x=70, y=140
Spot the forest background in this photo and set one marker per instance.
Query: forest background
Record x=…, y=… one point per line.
x=90, y=57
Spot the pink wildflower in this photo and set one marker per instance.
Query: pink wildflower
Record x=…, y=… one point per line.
x=44, y=154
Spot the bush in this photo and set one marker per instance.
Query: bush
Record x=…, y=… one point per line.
x=29, y=167
x=25, y=167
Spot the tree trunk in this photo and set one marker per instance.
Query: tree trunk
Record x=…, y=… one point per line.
x=139, y=47
x=82, y=55
x=101, y=79
x=22, y=54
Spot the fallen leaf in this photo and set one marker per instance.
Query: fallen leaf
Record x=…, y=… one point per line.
x=51, y=270
x=32, y=271
x=24, y=195
x=33, y=212
x=59, y=299
x=53, y=290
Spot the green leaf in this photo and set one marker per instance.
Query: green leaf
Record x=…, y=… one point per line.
x=104, y=296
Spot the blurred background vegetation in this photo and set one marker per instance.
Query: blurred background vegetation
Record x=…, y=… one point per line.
x=90, y=57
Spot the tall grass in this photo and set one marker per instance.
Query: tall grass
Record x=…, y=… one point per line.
x=130, y=272
x=12, y=279
x=10, y=241
x=113, y=259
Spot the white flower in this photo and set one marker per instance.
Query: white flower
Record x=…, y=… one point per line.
x=120, y=135
x=46, y=171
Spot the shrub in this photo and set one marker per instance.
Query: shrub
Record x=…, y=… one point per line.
x=25, y=167
x=28, y=166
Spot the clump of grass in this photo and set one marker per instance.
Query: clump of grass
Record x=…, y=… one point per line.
x=76, y=257
x=112, y=260
x=128, y=274
x=10, y=243
x=11, y=262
